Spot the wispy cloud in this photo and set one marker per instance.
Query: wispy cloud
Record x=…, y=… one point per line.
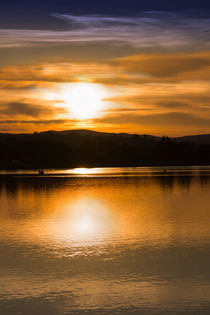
x=150, y=29
x=176, y=65
x=134, y=69
x=162, y=119
x=52, y=73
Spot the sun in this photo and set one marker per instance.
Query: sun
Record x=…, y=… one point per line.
x=84, y=100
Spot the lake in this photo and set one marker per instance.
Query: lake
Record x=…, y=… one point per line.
x=105, y=241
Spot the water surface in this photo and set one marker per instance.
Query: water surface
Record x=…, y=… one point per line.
x=105, y=241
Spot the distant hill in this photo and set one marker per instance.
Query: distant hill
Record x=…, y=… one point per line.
x=198, y=139
x=86, y=148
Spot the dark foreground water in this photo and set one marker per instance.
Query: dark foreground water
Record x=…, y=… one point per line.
x=114, y=241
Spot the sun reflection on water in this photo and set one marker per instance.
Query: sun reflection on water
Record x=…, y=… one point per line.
x=82, y=171
x=108, y=244
x=84, y=222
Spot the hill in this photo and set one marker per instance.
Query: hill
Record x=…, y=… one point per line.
x=198, y=139
x=86, y=148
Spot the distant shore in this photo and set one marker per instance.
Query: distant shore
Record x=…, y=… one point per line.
x=86, y=148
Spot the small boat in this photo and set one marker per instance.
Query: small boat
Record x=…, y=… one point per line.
x=41, y=172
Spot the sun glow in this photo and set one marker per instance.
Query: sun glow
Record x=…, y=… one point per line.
x=84, y=221
x=84, y=100
x=82, y=171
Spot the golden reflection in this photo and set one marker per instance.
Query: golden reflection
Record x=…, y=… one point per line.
x=86, y=212
x=96, y=236
x=85, y=224
x=86, y=220
x=82, y=171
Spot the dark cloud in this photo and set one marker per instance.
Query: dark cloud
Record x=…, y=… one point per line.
x=29, y=110
x=9, y=85
x=170, y=104
x=37, y=122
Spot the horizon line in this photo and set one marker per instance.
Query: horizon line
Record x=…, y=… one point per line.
x=91, y=130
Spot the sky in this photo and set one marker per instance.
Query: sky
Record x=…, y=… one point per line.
x=115, y=66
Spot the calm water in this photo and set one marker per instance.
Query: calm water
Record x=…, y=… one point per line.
x=105, y=241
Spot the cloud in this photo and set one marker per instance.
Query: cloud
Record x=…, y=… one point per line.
x=36, y=125
x=54, y=72
x=37, y=122
x=171, y=101
x=163, y=119
x=180, y=96
x=35, y=73
x=28, y=110
x=22, y=85
x=162, y=65
x=131, y=70
x=124, y=110
x=173, y=104
x=149, y=29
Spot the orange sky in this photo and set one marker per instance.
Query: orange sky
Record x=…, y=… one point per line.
x=152, y=81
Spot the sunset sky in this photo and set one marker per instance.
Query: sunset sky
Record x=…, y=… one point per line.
x=116, y=66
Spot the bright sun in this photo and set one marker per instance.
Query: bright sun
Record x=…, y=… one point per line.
x=84, y=100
